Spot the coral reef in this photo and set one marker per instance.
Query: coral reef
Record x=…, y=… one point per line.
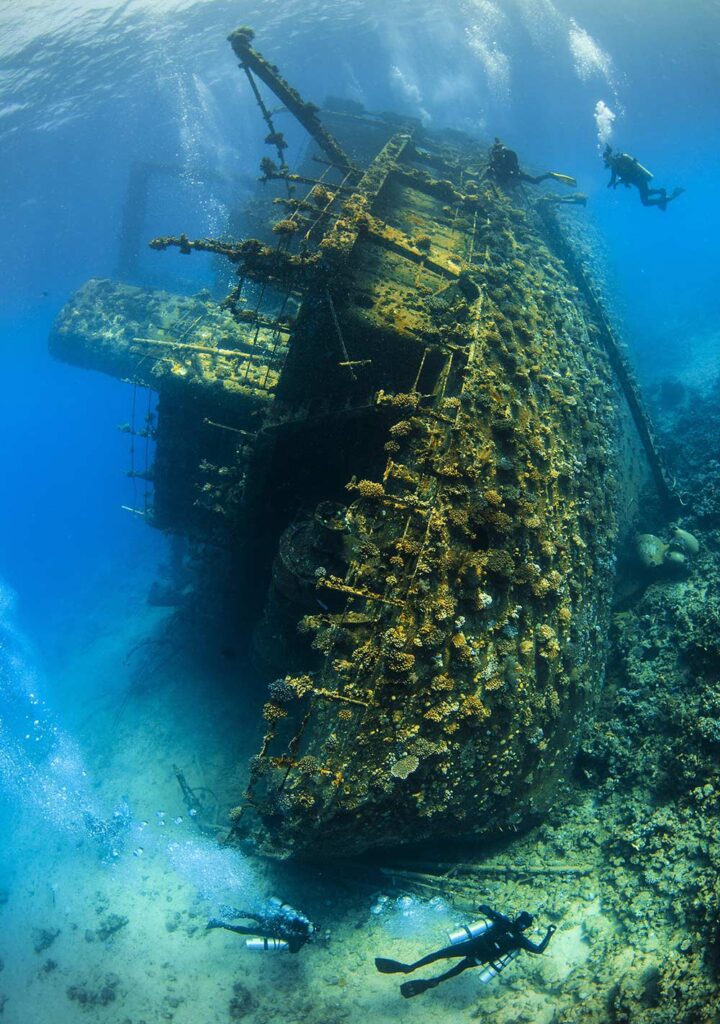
x=651, y=760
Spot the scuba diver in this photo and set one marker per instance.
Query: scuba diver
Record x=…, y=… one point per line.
x=627, y=170
x=277, y=927
x=504, y=168
x=494, y=942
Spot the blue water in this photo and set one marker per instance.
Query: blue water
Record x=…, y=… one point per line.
x=88, y=90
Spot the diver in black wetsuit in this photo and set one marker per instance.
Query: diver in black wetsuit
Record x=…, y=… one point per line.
x=279, y=926
x=627, y=170
x=494, y=944
x=504, y=168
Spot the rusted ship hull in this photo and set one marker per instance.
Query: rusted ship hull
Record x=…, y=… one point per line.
x=427, y=430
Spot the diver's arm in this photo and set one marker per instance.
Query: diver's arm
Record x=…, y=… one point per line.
x=539, y=947
x=613, y=179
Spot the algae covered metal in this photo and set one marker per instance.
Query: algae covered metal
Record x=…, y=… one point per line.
x=411, y=406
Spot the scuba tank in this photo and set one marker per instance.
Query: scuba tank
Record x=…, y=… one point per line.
x=267, y=945
x=468, y=931
x=629, y=166
x=643, y=171
x=282, y=928
x=493, y=969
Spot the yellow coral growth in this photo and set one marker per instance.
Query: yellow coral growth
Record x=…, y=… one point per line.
x=400, y=662
x=370, y=489
x=442, y=682
x=405, y=766
x=565, y=615
x=494, y=683
x=304, y=799
x=273, y=712
x=545, y=632
x=300, y=684
x=285, y=227
x=473, y=707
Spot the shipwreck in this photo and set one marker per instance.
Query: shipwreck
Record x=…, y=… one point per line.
x=412, y=426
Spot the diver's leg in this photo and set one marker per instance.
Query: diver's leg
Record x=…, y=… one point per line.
x=241, y=929
x=233, y=913
x=642, y=187
x=414, y=988
x=386, y=966
x=397, y=967
x=646, y=200
x=446, y=953
x=533, y=179
x=662, y=199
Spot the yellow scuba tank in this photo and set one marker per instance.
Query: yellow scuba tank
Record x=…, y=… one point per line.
x=566, y=179
x=643, y=170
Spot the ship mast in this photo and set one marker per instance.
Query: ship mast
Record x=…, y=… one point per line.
x=253, y=63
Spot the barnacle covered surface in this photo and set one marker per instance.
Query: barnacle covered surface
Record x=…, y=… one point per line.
x=420, y=442
x=479, y=560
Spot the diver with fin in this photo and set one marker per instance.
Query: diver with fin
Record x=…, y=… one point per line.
x=277, y=927
x=504, y=168
x=492, y=943
x=627, y=170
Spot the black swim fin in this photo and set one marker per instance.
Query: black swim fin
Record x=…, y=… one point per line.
x=414, y=988
x=391, y=966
